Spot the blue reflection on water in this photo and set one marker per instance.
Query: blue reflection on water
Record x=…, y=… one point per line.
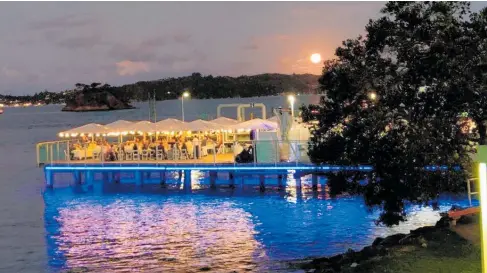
x=114, y=228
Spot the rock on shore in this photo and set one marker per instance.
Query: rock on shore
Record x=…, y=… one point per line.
x=420, y=237
x=98, y=101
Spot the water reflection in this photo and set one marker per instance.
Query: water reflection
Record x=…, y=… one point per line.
x=123, y=228
x=123, y=234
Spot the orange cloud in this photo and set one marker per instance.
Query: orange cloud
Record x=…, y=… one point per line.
x=130, y=68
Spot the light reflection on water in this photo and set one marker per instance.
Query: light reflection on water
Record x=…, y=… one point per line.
x=124, y=234
x=122, y=228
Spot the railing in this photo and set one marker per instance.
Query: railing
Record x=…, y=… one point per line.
x=53, y=151
x=237, y=152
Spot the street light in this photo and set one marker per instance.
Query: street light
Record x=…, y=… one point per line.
x=185, y=95
x=372, y=95
x=291, y=100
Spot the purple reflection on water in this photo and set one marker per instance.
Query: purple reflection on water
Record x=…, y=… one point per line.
x=122, y=228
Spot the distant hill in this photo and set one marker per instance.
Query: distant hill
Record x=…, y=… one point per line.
x=206, y=87
x=200, y=87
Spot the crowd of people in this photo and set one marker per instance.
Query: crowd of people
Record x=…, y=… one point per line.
x=146, y=148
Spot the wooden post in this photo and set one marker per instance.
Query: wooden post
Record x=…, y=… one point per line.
x=262, y=183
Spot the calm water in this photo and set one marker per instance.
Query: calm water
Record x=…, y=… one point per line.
x=122, y=228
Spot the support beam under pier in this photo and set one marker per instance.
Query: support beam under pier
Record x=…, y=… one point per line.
x=262, y=183
x=163, y=179
x=213, y=176
x=187, y=181
x=314, y=182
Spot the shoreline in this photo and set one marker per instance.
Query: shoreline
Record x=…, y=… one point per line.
x=351, y=260
x=101, y=109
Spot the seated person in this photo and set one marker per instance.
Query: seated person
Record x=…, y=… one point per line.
x=135, y=148
x=246, y=156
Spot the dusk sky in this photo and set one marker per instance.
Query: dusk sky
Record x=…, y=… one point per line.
x=54, y=45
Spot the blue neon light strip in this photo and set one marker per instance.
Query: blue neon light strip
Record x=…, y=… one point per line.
x=208, y=168
x=232, y=168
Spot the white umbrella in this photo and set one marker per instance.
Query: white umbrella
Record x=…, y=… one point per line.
x=255, y=124
x=171, y=125
x=225, y=121
x=88, y=129
x=119, y=126
x=202, y=125
x=144, y=127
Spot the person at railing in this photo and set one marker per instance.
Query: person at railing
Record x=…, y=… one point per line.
x=196, y=147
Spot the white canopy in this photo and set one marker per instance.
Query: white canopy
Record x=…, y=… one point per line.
x=88, y=129
x=120, y=126
x=203, y=125
x=225, y=121
x=255, y=124
x=171, y=125
x=144, y=127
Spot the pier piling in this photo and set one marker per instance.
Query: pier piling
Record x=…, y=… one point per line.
x=89, y=177
x=314, y=180
x=280, y=186
x=139, y=178
x=49, y=178
x=116, y=177
x=262, y=183
x=187, y=180
x=77, y=177
x=213, y=176
x=163, y=179
x=232, y=180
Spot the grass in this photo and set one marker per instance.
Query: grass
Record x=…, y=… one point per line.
x=446, y=252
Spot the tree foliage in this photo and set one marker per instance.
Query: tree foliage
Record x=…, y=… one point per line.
x=394, y=100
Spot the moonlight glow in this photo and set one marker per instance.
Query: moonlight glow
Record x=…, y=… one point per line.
x=315, y=58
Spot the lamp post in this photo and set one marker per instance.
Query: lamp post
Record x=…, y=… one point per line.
x=185, y=95
x=291, y=100
x=372, y=96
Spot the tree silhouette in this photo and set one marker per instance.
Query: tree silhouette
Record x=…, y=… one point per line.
x=394, y=99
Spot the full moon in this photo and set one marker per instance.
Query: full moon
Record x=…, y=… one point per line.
x=315, y=58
